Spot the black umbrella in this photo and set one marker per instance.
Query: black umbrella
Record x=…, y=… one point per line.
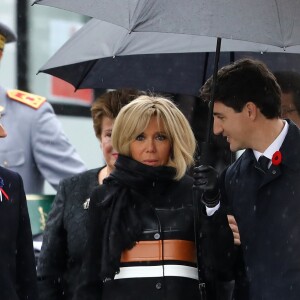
x=270, y=22
x=103, y=55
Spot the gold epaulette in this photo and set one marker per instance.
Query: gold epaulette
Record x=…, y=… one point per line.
x=31, y=100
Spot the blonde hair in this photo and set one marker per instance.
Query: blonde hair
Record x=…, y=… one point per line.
x=134, y=118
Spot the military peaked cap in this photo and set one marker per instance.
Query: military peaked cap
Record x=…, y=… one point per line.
x=7, y=33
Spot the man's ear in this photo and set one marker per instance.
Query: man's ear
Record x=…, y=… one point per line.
x=251, y=110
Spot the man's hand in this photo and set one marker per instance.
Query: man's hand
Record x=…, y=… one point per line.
x=235, y=229
x=206, y=177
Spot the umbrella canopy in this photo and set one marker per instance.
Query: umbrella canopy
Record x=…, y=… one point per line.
x=272, y=22
x=104, y=55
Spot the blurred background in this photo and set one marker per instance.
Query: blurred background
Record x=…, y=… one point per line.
x=41, y=31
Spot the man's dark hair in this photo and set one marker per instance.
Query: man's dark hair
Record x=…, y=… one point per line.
x=289, y=82
x=246, y=80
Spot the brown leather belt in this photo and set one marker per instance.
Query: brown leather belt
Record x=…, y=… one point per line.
x=180, y=250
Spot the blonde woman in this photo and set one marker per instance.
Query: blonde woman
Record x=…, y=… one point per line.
x=141, y=237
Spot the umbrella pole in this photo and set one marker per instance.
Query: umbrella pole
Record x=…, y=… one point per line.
x=197, y=193
x=88, y=69
x=198, y=236
x=212, y=94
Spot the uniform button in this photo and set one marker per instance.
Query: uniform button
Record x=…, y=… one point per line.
x=273, y=172
x=158, y=286
x=156, y=236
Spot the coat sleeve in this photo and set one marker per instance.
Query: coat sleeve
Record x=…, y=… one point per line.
x=25, y=261
x=53, y=257
x=55, y=157
x=224, y=260
x=90, y=284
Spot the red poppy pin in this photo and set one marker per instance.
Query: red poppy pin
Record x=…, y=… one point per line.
x=2, y=192
x=276, y=158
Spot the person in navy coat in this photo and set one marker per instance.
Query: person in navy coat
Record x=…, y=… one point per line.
x=17, y=263
x=261, y=189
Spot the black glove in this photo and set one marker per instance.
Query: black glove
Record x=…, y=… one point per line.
x=206, y=177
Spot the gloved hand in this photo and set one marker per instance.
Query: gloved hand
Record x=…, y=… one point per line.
x=206, y=177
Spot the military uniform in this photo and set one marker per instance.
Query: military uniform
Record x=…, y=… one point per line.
x=35, y=146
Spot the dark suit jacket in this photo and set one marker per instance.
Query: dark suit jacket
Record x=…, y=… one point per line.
x=17, y=265
x=267, y=210
x=65, y=237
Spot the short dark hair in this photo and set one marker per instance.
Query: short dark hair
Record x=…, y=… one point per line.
x=289, y=82
x=243, y=81
x=109, y=105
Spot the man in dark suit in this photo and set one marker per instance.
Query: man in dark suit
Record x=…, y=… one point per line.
x=17, y=265
x=261, y=189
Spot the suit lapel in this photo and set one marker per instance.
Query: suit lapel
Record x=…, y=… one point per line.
x=290, y=151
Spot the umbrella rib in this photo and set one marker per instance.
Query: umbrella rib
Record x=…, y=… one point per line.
x=205, y=65
x=130, y=16
x=279, y=21
x=85, y=75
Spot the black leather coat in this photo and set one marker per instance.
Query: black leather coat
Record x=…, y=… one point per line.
x=162, y=208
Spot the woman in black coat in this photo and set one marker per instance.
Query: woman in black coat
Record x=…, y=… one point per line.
x=141, y=236
x=65, y=233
